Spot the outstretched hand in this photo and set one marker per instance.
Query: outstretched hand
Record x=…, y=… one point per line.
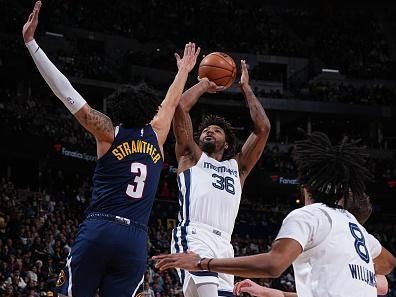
x=245, y=74
x=188, y=261
x=189, y=57
x=31, y=24
x=250, y=287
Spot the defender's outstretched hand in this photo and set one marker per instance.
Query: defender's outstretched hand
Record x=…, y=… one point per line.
x=250, y=287
x=31, y=24
x=188, y=261
x=245, y=74
x=189, y=57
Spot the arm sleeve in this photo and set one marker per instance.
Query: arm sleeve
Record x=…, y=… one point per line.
x=58, y=83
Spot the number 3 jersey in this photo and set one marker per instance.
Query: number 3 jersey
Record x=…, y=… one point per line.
x=210, y=193
x=337, y=256
x=126, y=178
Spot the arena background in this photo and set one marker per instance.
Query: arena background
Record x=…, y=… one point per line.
x=320, y=65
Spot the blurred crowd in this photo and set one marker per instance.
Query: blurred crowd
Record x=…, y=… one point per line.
x=45, y=117
x=41, y=117
x=352, y=41
x=365, y=94
x=349, y=39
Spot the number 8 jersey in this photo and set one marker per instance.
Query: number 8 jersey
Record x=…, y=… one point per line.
x=126, y=178
x=337, y=256
x=210, y=193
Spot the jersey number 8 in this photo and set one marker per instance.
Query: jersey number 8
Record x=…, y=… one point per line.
x=360, y=243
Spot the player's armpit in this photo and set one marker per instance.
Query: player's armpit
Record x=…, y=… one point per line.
x=97, y=123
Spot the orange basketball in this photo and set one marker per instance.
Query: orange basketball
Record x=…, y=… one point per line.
x=219, y=68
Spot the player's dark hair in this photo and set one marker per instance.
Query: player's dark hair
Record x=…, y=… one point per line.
x=134, y=106
x=331, y=172
x=360, y=206
x=229, y=133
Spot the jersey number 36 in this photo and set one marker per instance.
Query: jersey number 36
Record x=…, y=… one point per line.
x=224, y=183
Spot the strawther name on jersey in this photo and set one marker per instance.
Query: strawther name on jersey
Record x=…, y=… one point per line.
x=221, y=169
x=136, y=146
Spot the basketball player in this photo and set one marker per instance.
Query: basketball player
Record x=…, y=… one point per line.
x=210, y=178
x=332, y=254
x=361, y=208
x=110, y=250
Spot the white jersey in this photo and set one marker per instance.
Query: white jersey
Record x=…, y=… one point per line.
x=210, y=193
x=337, y=257
x=209, y=197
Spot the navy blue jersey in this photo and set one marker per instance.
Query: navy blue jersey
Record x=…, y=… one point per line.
x=126, y=177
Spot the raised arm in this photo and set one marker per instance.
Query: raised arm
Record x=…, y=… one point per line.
x=254, y=145
x=162, y=121
x=186, y=146
x=94, y=121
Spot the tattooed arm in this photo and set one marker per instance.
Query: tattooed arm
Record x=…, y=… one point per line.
x=254, y=145
x=99, y=125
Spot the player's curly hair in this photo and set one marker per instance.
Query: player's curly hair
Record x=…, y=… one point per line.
x=134, y=106
x=331, y=172
x=229, y=133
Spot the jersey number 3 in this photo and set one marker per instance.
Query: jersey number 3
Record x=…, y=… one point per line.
x=360, y=243
x=135, y=189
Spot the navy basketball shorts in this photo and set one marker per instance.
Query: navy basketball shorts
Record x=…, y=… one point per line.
x=107, y=256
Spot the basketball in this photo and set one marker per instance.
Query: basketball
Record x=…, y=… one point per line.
x=219, y=68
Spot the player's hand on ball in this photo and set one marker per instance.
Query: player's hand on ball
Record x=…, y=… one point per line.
x=31, y=24
x=210, y=86
x=245, y=74
x=250, y=287
x=189, y=57
x=188, y=261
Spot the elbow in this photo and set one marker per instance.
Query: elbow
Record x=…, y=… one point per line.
x=263, y=129
x=270, y=270
x=184, y=106
x=267, y=125
x=274, y=271
x=385, y=268
x=391, y=265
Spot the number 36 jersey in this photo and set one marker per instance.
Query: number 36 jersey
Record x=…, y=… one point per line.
x=210, y=193
x=126, y=178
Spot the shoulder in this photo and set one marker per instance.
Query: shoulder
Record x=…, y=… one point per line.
x=233, y=162
x=310, y=212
